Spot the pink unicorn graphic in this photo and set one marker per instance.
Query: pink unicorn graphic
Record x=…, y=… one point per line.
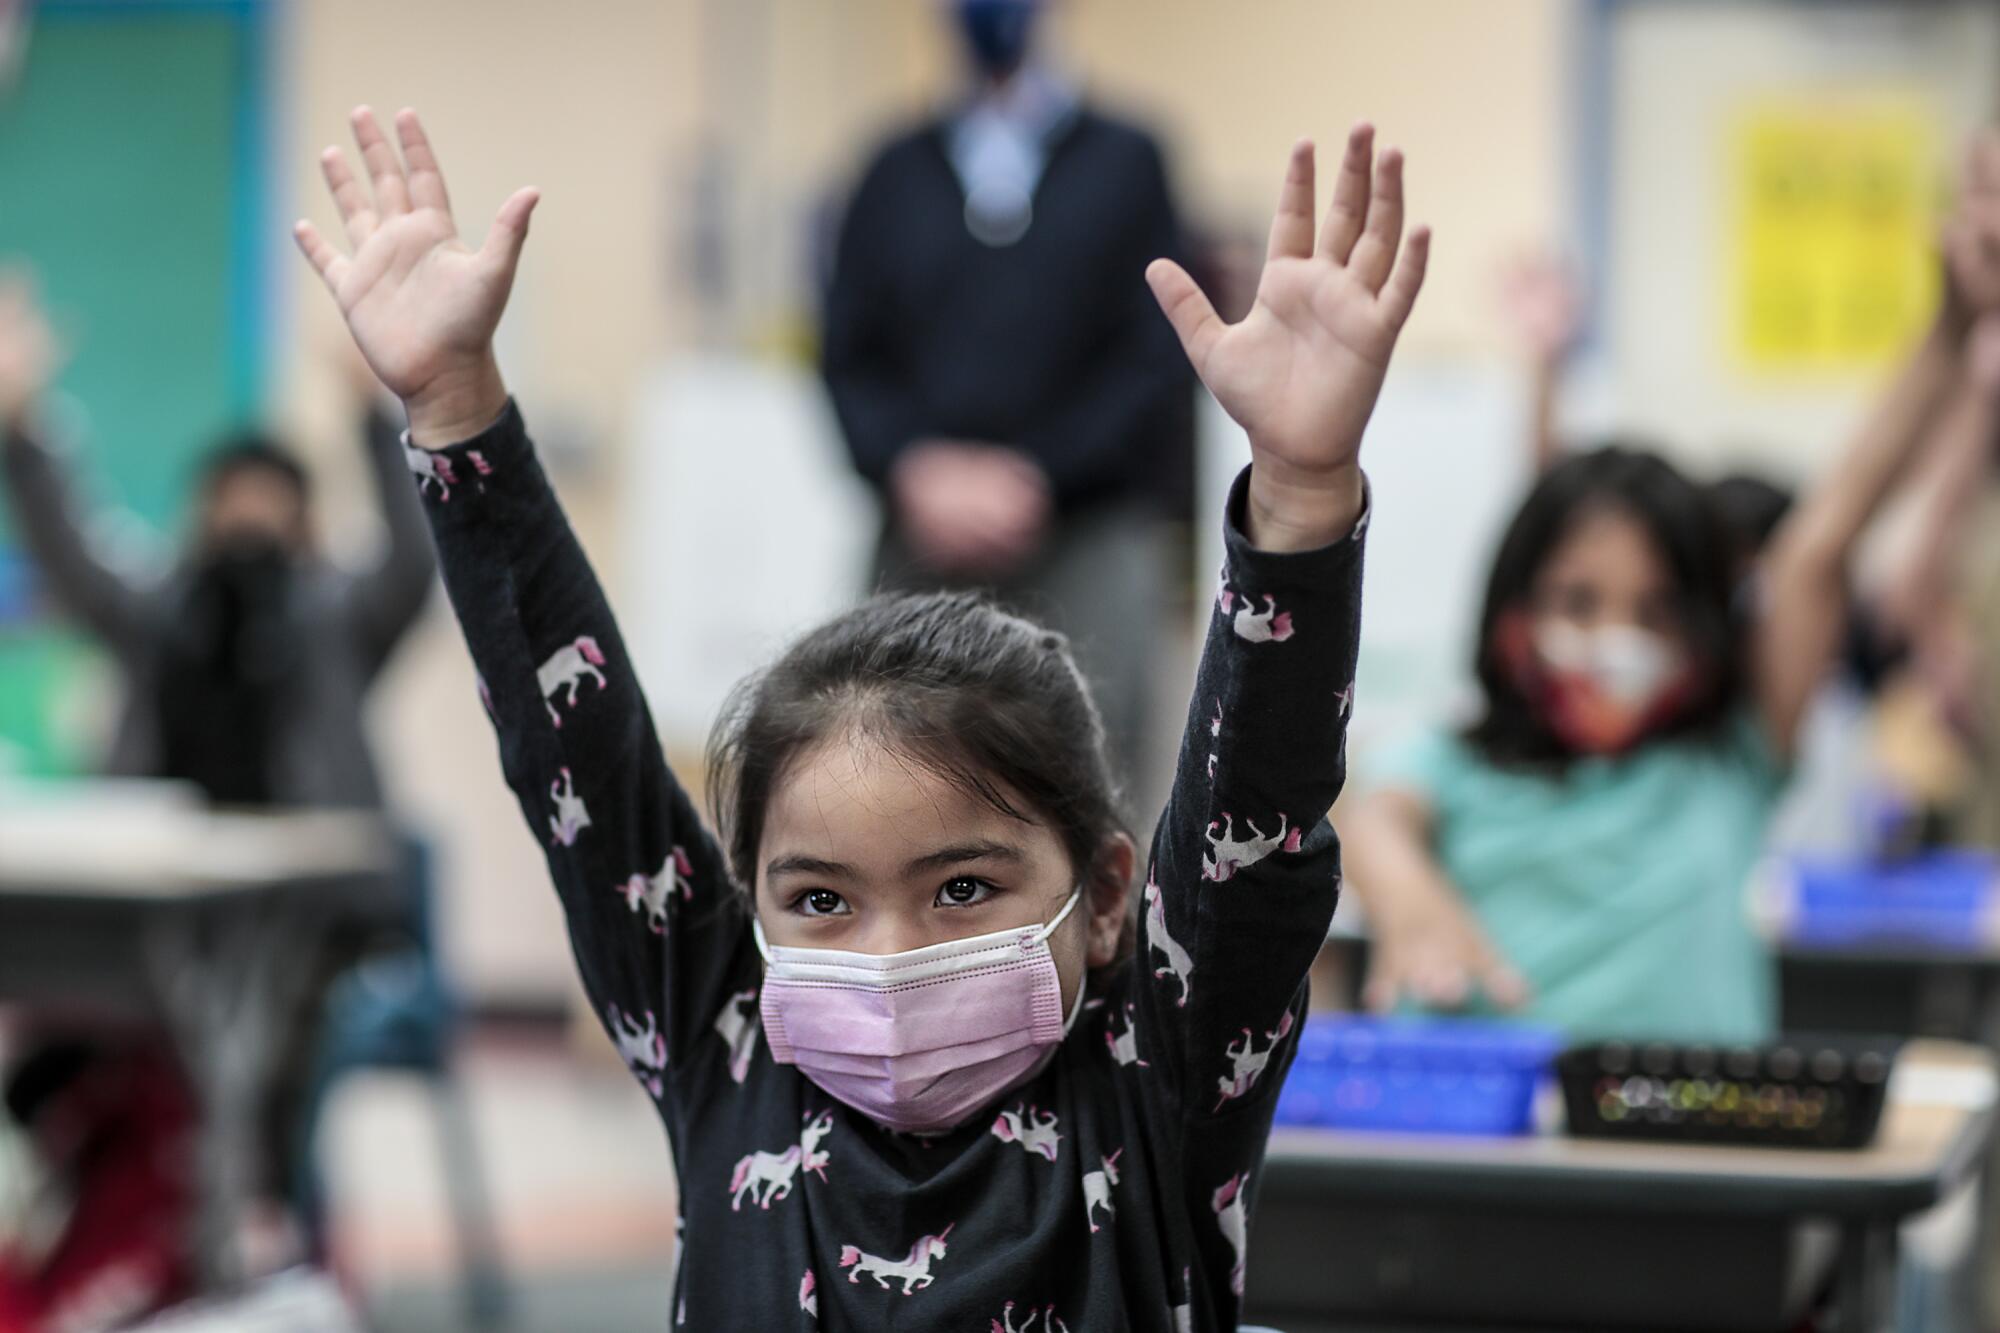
x=1230, y=853
x=1228, y=1204
x=1097, y=1190
x=1030, y=1127
x=775, y=1172
x=652, y=891
x=1179, y=965
x=644, y=1049
x=808, y=1297
x=570, y=817
x=1247, y=1062
x=1047, y=1314
x=915, y=1270
x=1124, y=1045
x=565, y=669
x=430, y=468
x=737, y=1026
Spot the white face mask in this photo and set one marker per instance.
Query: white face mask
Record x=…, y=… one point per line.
x=919, y=1040
x=1629, y=665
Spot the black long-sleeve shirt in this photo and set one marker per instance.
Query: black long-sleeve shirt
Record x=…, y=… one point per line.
x=1052, y=345
x=1110, y=1191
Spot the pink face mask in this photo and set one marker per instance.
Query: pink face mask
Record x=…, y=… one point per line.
x=918, y=1040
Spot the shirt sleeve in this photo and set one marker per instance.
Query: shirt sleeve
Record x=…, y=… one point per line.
x=1245, y=868
x=661, y=945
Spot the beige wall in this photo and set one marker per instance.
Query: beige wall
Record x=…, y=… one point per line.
x=604, y=105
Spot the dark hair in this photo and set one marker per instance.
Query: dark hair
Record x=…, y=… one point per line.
x=1694, y=544
x=978, y=696
x=253, y=451
x=1751, y=507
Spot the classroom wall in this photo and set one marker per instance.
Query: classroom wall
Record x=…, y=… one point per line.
x=612, y=107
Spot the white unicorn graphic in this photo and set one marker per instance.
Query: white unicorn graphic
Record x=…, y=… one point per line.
x=915, y=1270
x=652, y=891
x=1214, y=731
x=1030, y=1127
x=775, y=1172
x=808, y=1297
x=565, y=669
x=1228, y=1205
x=737, y=1026
x=1346, y=698
x=1247, y=1062
x=1124, y=1045
x=1267, y=626
x=570, y=817
x=430, y=469
x=644, y=1049
x=1179, y=965
x=1047, y=1314
x=1231, y=853
x=1097, y=1190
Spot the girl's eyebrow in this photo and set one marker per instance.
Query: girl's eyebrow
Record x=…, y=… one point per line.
x=808, y=865
x=979, y=849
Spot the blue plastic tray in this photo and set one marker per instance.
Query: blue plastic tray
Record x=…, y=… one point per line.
x=1418, y=1075
x=1941, y=898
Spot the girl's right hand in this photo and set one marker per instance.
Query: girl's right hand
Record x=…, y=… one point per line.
x=422, y=305
x=1433, y=954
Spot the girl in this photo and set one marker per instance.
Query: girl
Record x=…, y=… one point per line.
x=1579, y=852
x=860, y=1010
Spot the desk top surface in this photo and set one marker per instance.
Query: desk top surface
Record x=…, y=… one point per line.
x=1934, y=1133
x=155, y=841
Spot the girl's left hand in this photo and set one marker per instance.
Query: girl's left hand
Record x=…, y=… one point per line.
x=1302, y=370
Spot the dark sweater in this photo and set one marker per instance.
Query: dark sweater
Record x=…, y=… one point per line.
x=1052, y=345
x=1123, y=1205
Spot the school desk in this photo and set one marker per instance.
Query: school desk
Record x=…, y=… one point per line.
x=125, y=897
x=1367, y=1232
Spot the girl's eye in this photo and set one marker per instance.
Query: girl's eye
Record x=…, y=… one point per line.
x=821, y=902
x=963, y=891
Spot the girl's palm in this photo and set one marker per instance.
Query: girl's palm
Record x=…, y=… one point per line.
x=421, y=304
x=1301, y=372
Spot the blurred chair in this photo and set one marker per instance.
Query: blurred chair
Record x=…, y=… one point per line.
x=394, y=1011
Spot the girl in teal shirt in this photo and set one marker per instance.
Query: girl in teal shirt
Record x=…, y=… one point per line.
x=1579, y=853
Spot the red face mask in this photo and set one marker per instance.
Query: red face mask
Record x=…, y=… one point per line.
x=1600, y=691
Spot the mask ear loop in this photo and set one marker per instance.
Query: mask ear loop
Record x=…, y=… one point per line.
x=1083, y=982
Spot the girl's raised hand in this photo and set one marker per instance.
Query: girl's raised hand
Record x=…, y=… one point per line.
x=1302, y=370
x=421, y=304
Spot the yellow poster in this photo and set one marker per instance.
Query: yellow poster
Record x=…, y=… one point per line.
x=1834, y=219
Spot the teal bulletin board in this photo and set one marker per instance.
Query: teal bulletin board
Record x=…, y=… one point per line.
x=131, y=183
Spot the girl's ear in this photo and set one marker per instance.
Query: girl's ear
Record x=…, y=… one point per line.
x=1106, y=894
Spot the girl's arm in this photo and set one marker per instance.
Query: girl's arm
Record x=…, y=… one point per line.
x=1805, y=575
x=643, y=886
x=1425, y=944
x=1245, y=868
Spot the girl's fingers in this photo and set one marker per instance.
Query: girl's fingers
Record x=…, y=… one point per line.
x=1399, y=295
x=426, y=180
x=1349, y=208
x=385, y=172
x=1186, y=308
x=1292, y=224
x=357, y=210
x=329, y=262
x=1375, y=252
x=502, y=249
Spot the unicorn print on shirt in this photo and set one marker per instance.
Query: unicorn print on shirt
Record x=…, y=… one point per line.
x=1214, y=733
x=1179, y=965
x=1247, y=1062
x=570, y=817
x=644, y=1049
x=737, y=1025
x=1030, y=1127
x=1228, y=1205
x=1047, y=1314
x=1097, y=1190
x=430, y=469
x=1229, y=854
x=775, y=1172
x=1267, y=626
x=565, y=670
x=1124, y=1045
x=1184, y=1312
x=652, y=891
x=914, y=1270
x=808, y=1296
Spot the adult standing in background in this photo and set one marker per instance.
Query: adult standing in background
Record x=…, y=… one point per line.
x=1002, y=374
